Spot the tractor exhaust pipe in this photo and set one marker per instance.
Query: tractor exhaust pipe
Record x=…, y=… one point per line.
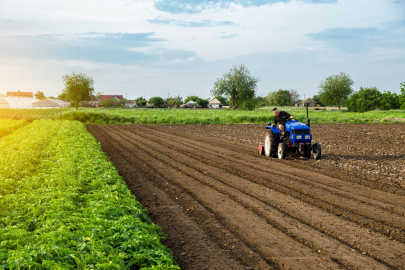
x=308, y=123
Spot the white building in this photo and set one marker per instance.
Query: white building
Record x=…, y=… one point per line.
x=214, y=103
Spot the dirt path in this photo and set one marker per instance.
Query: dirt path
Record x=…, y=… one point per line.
x=223, y=206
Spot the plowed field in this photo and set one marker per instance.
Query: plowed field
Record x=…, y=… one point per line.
x=223, y=206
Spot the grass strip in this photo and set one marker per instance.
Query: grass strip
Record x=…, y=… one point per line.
x=205, y=116
x=63, y=205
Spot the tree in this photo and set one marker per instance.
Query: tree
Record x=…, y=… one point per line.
x=174, y=102
x=270, y=98
x=156, y=101
x=237, y=85
x=389, y=101
x=202, y=102
x=193, y=98
x=336, y=88
x=317, y=99
x=223, y=100
x=294, y=96
x=282, y=97
x=140, y=102
x=366, y=99
x=78, y=87
x=402, y=96
x=39, y=95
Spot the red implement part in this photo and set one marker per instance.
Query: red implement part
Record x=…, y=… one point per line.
x=261, y=149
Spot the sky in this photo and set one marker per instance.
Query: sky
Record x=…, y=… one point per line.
x=179, y=47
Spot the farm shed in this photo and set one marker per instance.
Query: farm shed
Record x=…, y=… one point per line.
x=16, y=103
x=214, y=102
x=310, y=101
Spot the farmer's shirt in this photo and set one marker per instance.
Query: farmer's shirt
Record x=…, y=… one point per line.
x=282, y=118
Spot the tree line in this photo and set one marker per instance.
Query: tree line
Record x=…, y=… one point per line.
x=238, y=88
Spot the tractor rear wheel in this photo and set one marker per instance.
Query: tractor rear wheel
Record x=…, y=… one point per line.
x=270, y=144
x=317, y=151
x=281, y=151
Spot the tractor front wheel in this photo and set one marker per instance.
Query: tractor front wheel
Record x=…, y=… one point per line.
x=317, y=151
x=281, y=151
x=270, y=144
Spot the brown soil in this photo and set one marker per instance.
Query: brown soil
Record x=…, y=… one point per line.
x=222, y=206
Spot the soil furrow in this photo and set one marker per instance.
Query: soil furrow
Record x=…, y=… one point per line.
x=278, y=216
x=267, y=194
x=167, y=206
x=390, y=203
x=269, y=241
x=362, y=211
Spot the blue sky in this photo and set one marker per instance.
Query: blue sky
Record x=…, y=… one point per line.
x=179, y=47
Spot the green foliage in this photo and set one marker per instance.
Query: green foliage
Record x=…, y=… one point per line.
x=389, y=101
x=366, y=99
x=7, y=126
x=174, y=102
x=261, y=102
x=110, y=102
x=223, y=100
x=220, y=116
x=192, y=98
x=157, y=101
x=282, y=98
x=202, y=102
x=39, y=95
x=335, y=88
x=238, y=85
x=140, y=102
x=63, y=205
x=402, y=96
x=78, y=87
x=318, y=99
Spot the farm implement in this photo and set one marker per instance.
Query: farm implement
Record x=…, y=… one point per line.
x=295, y=141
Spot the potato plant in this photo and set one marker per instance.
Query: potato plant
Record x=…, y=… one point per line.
x=63, y=205
x=7, y=126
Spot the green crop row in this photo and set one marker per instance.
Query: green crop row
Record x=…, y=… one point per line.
x=203, y=116
x=63, y=205
x=7, y=126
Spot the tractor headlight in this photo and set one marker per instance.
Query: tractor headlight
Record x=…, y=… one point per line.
x=307, y=137
x=299, y=137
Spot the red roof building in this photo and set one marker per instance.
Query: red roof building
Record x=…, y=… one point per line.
x=19, y=94
x=102, y=97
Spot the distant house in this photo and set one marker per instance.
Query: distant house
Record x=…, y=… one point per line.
x=20, y=94
x=214, y=103
x=190, y=104
x=310, y=101
x=103, y=97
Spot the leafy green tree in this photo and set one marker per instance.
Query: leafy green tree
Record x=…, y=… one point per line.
x=336, y=88
x=366, y=99
x=140, y=102
x=389, y=101
x=223, y=100
x=261, y=101
x=78, y=87
x=270, y=98
x=174, y=102
x=202, y=102
x=282, y=98
x=317, y=98
x=193, y=98
x=237, y=85
x=402, y=96
x=39, y=95
x=157, y=101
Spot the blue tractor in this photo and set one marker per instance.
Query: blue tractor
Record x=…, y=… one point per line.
x=296, y=141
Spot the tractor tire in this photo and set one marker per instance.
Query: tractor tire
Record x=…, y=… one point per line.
x=281, y=151
x=317, y=151
x=270, y=144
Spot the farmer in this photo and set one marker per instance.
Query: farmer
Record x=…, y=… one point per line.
x=281, y=117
